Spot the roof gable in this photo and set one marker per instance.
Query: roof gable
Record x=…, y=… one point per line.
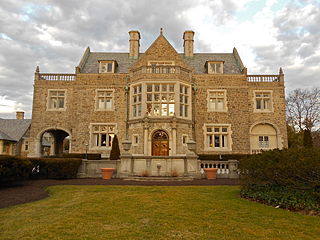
x=13, y=128
x=161, y=50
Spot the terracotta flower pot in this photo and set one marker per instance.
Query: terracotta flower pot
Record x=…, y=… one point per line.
x=211, y=173
x=107, y=173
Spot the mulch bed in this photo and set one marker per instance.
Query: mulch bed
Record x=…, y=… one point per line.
x=33, y=190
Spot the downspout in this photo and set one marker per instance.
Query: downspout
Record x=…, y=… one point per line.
x=194, y=85
x=127, y=106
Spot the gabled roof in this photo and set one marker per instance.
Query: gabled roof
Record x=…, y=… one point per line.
x=13, y=129
x=161, y=49
x=4, y=136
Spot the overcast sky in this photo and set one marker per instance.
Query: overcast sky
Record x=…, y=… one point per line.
x=54, y=34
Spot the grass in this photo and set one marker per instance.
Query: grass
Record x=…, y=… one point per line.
x=138, y=212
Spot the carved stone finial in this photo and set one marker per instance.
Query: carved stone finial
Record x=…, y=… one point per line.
x=280, y=71
x=37, y=69
x=161, y=31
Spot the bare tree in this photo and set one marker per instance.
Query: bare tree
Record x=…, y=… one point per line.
x=303, y=109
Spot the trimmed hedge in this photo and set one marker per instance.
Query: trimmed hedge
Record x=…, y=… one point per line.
x=287, y=178
x=283, y=197
x=55, y=168
x=297, y=168
x=13, y=169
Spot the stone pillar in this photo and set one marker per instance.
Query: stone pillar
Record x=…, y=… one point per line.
x=52, y=146
x=192, y=162
x=125, y=160
x=35, y=148
x=233, y=167
x=1, y=147
x=145, y=138
x=174, y=138
x=134, y=44
x=188, y=43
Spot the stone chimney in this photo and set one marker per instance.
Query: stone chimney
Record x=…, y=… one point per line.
x=20, y=115
x=188, y=43
x=134, y=44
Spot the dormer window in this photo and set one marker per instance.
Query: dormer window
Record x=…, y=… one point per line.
x=214, y=67
x=108, y=66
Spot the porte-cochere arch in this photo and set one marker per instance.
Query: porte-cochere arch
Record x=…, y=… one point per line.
x=53, y=142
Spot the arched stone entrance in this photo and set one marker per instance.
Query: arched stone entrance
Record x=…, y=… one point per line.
x=160, y=143
x=53, y=142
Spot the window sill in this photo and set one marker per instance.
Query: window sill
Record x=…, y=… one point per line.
x=105, y=110
x=56, y=110
x=218, y=149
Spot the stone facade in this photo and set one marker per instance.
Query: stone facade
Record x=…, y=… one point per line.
x=159, y=100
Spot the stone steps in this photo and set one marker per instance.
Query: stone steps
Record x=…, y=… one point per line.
x=158, y=179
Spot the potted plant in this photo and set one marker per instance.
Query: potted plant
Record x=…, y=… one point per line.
x=211, y=173
x=107, y=173
x=114, y=155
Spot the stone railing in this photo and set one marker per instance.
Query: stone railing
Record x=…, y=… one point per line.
x=161, y=70
x=57, y=77
x=263, y=78
x=259, y=150
x=226, y=169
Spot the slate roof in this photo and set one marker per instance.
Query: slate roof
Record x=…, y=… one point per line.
x=13, y=129
x=197, y=62
x=92, y=66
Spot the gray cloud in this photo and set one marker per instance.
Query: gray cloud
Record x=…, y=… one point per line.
x=299, y=38
x=71, y=27
x=54, y=34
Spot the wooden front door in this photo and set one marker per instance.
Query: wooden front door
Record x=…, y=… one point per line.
x=160, y=143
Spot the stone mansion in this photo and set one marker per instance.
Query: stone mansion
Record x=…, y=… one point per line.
x=159, y=100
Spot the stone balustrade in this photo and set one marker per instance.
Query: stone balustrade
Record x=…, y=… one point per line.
x=259, y=150
x=226, y=169
x=57, y=77
x=161, y=70
x=263, y=78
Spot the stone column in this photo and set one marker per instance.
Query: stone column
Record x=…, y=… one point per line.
x=1, y=147
x=192, y=164
x=174, y=137
x=145, y=137
x=126, y=160
x=35, y=148
x=233, y=167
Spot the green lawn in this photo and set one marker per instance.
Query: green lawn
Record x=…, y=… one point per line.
x=137, y=212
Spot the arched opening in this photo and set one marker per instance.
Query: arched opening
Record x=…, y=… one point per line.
x=54, y=142
x=263, y=137
x=160, y=143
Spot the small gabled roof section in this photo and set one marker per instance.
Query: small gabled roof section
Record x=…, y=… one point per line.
x=161, y=50
x=4, y=136
x=13, y=129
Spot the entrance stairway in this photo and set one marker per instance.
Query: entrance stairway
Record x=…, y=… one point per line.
x=157, y=179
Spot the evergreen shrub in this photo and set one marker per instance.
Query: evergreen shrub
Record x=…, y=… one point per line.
x=14, y=169
x=283, y=178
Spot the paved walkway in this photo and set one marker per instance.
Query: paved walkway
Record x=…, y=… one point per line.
x=33, y=190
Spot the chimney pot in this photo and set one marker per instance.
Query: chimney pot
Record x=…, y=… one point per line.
x=134, y=44
x=188, y=43
x=20, y=115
